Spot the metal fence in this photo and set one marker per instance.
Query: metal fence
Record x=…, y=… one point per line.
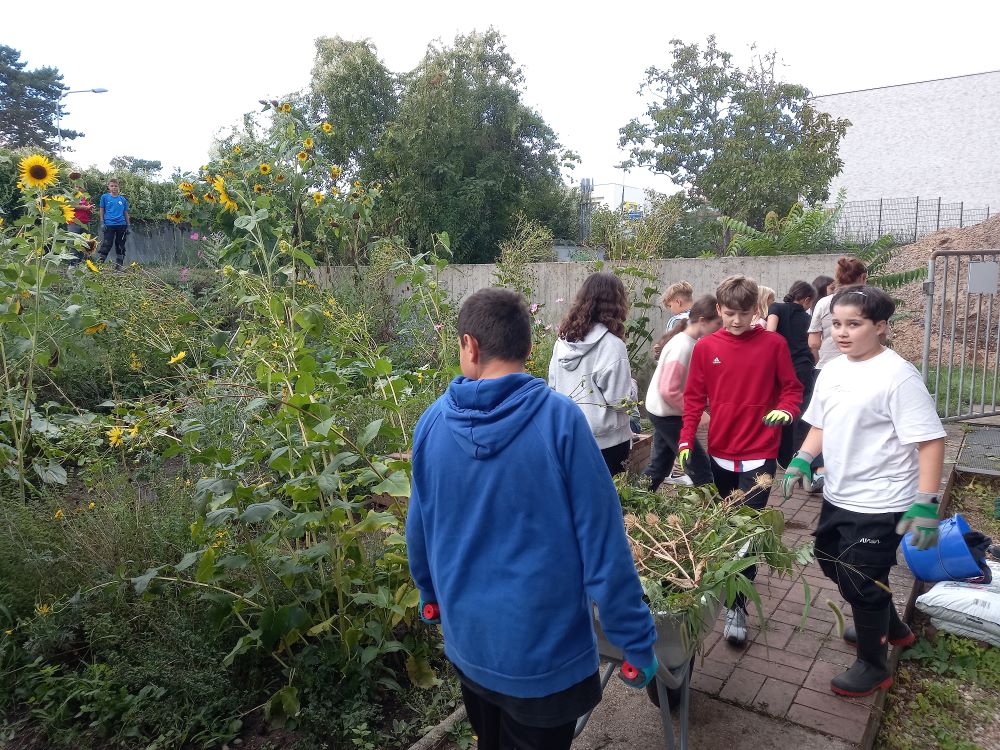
x=962, y=333
x=906, y=219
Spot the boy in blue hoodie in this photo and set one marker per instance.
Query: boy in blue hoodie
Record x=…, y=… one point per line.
x=514, y=529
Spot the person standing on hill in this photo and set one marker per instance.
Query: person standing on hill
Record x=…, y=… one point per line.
x=115, y=220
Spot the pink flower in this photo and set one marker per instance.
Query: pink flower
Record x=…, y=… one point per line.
x=548, y=327
x=194, y=235
x=438, y=326
x=534, y=307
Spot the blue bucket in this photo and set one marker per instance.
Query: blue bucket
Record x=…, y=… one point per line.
x=949, y=559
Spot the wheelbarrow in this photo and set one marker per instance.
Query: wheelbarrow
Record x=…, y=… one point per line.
x=672, y=685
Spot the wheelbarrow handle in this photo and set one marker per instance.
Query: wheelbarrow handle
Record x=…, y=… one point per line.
x=638, y=678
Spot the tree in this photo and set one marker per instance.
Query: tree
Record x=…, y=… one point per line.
x=742, y=141
x=354, y=91
x=28, y=103
x=465, y=154
x=135, y=165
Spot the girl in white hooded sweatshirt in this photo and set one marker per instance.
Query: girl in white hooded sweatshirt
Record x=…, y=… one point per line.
x=590, y=364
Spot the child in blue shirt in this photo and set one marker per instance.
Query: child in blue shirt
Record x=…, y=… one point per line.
x=115, y=220
x=514, y=529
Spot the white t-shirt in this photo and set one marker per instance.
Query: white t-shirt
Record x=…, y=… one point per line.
x=873, y=414
x=672, y=369
x=822, y=322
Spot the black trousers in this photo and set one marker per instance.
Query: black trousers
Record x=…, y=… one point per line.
x=793, y=434
x=756, y=497
x=497, y=730
x=616, y=456
x=666, y=435
x=116, y=235
x=855, y=550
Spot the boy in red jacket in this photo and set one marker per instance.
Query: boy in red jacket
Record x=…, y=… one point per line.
x=746, y=374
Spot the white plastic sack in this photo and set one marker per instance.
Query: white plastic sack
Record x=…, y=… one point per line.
x=968, y=609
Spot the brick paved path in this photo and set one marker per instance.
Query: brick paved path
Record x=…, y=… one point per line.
x=785, y=670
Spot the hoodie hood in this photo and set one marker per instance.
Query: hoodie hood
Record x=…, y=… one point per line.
x=485, y=415
x=572, y=353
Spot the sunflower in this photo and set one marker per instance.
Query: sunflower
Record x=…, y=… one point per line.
x=177, y=357
x=97, y=328
x=37, y=171
x=229, y=204
x=192, y=197
x=335, y=172
x=318, y=198
x=327, y=127
x=208, y=198
x=237, y=149
x=302, y=156
x=175, y=217
x=258, y=188
x=115, y=436
x=265, y=168
x=92, y=266
x=286, y=107
x=279, y=177
x=68, y=213
x=219, y=184
x=308, y=143
x=186, y=187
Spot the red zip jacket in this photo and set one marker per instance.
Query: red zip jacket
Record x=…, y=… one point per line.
x=742, y=378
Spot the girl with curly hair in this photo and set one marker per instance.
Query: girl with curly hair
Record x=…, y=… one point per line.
x=590, y=364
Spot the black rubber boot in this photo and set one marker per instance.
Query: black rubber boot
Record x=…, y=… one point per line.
x=899, y=633
x=869, y=672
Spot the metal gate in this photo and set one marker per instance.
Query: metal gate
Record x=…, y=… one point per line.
x=962, y=332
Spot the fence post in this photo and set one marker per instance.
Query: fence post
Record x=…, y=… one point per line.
x=916, y=220
x=879, y=219
x=939, y=213
x=961, y=213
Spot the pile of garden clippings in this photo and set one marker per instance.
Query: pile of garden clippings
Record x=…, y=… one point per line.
x=908, y=328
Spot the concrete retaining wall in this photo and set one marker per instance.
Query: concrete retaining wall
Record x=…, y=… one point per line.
x=560, y=281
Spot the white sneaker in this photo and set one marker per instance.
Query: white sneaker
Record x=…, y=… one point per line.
x=682, y=479
x=736, y=627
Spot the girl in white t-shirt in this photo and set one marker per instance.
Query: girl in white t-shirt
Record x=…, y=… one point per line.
x=665, y=396
x=884, y=447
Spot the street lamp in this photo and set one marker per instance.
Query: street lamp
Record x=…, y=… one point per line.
x=59, y=107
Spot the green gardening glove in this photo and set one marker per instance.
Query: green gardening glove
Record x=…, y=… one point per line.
x=777, y=418
x=683, y=457
x=799, y=469
x=922, y=520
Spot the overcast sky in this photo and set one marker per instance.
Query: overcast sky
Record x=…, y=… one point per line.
x=179, y=72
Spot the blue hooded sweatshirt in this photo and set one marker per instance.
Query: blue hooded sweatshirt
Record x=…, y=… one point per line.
x=514, y=528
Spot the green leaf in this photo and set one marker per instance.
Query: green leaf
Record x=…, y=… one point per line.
x=257, y=512
x=141, y=583
x=420, y=672
x=205, y=571
x=396, y=484
x=51, y=472
x=369, y=433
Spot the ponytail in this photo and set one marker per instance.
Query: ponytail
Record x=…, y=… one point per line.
x=800, y=290
x=705, y=308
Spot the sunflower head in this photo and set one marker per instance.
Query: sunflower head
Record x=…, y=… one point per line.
x=68, y=213
x=335, y=172
x=279, y=177
x=318, y=197
x=308, y=143
x=327, y=128
x=237, y=149
x=302, y=156
x=265, y=168
x=37, y=171
x=219, y=184
x=175, y=217
x=208, y=198
x=257, y=188
x=285, y=107
x=186, y=187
